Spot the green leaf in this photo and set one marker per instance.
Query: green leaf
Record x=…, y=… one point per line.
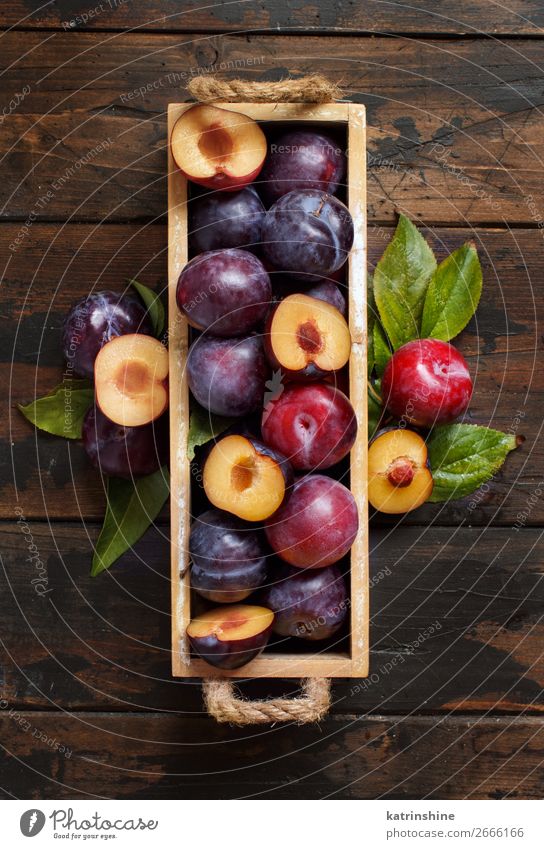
x=463, y=457
x=204, y=426
x=453, y=294
x=375, y=411
x=382, y=351
x=154, y=306
x=132, y=506
x=400, y=282
x=63, y=410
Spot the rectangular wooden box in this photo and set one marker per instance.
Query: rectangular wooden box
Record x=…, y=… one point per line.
x=270, y=665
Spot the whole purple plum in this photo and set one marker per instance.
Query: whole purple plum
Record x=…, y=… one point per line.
x=226, y=220
x=124, y=452
x=227, y=292
x=311, y=604
x=302, y=159
x=227, y=376
x=307, y=233
x=329, y=292
x=228, y=557
x=95, y=320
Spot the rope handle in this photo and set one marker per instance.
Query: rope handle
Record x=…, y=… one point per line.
x=314, y=88
x=224, y=703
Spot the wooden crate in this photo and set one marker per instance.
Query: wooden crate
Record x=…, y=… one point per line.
x=270, y=665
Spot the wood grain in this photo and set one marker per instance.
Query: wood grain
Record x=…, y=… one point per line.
x=520, y=17
x=455, y=126
x=456, y=624
x=60, y=265
x=130, y=756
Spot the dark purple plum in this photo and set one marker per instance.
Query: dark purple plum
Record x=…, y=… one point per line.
x=124, y=452
x=302, y=159
x=226, y=220
x=227, y=376
x=329, y=292
x=228, y=557
x=311, y=604
x=307, y=233
x=95, y=320
x=227, y=292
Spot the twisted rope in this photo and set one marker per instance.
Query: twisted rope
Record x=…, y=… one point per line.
x=313, y=88
x=225, y=705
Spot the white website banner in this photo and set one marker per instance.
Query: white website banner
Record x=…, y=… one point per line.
x=273, y=824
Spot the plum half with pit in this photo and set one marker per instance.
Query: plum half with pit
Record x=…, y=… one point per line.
x=228, y=376
x=231, y=635
x=124, y=452
x=229, y=557
x=307, y=233
x=308, y=603
x=246, y=477
x=226, y=292
x=302, y=159
x=316, y=526
x=427, y=382
x=95, y=320
x=226, y=220
x=313, y=425
x=306, y=338
x=399, y=476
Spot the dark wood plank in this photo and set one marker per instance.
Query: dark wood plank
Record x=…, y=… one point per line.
x=158, y=757
x=456, y=624
x=421, y=16
x=455, y=126
x=57, y=266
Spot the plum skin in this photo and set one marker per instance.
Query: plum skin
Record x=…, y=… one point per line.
x=227, y=292
x=97, y=319
x=226, y=220
x=329, y=292
x=227, y=376
x=302, y=159
x=427, y=382
x=313, y=425
x=124, y=452
x=229, y=558
x=309, y=604
x=317, y=526
x=308, y=234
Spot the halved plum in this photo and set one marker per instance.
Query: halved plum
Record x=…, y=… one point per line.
x=399, y=477
x=245, y=477
x=307, y=338
x=218, y=148
x=230, y=636
x=131, y=379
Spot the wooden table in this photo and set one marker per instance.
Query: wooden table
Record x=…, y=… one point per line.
x=87, y=704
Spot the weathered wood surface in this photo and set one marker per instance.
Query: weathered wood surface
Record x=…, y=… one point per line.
x=455, y=126
x=456, y=624
x=57, y=265
x=129, y=756
x=455, y=142
x=519, y=17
